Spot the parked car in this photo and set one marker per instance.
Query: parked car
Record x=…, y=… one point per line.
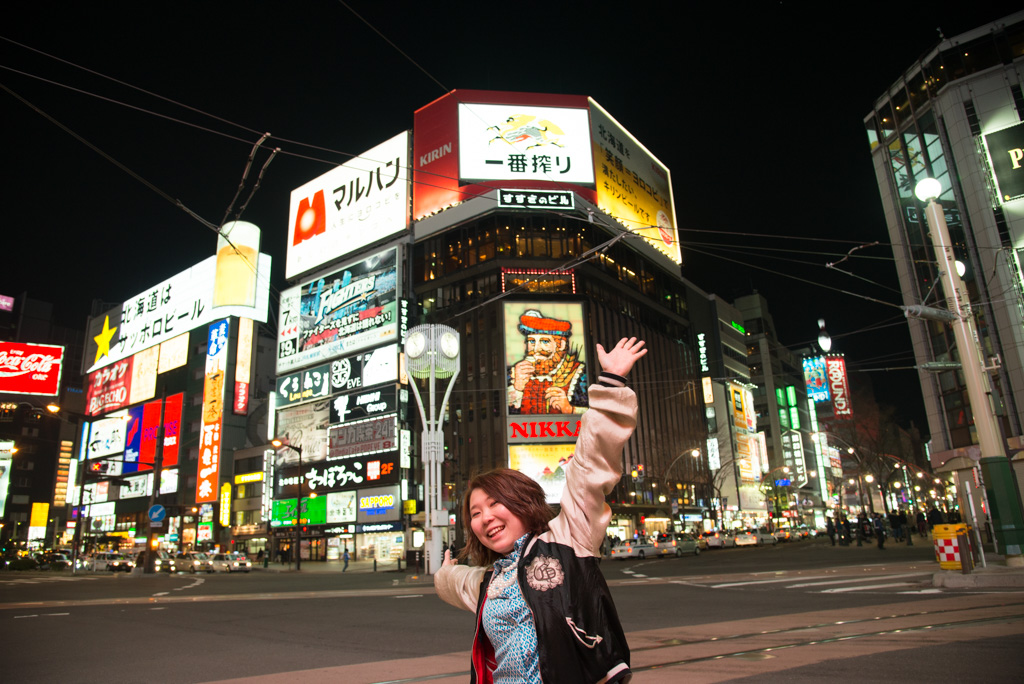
x=765, y=537
x=782, y=534
x=721, y=539
x=678, y=544
x=231, y=562
x=746, y=538
x=194, y=562
x=633, y=549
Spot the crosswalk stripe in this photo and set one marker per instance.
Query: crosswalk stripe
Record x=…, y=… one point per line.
x=841, y=590
x=857, y=579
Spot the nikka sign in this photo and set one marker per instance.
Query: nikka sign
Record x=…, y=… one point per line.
x=537, y=429
x=835, y=368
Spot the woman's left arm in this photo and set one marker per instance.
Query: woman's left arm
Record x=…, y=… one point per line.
x=597, y=465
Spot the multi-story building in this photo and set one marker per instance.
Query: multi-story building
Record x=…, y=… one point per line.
x=957, y=115
x=173, y=388
x=536, y=222
x=40, y=395
x=790, y=472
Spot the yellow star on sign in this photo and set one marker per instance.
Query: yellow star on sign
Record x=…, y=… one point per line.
x=103, y=339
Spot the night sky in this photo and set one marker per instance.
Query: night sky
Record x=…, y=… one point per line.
x=756, y=108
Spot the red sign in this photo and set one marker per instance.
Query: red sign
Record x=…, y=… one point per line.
x=835, y=367
x=150, y=429
x=30, y=368
x=435, y=152
x=172, y=429
x=109, y=388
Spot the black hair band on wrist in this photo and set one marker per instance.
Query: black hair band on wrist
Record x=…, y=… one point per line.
x=611, y=380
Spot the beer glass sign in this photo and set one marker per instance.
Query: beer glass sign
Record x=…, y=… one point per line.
x=238, y=245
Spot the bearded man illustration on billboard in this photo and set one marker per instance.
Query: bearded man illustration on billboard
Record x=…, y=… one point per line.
x=551, y=377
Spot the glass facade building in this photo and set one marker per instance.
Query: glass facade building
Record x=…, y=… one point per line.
x=937, y=120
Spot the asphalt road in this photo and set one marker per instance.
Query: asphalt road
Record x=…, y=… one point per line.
x=806, y=609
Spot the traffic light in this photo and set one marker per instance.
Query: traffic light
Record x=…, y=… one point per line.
x=98, y=467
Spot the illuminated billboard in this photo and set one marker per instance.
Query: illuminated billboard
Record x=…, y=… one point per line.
x=835, y=366
x=438, y=161
x=356, y=204
x=367, y=436
x=178, y=304
x=544, y=463
x=1006, y=158
x=351, y=309
x=6, y=461
x=816, y=379
x=304, y=426
x=545, y=358
x=521, y=142
x=379, y=504
x=632, y=185
x=30, y=368
x=213, y=413
x=107, y=436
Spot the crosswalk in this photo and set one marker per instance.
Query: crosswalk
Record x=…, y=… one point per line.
x=46, y=579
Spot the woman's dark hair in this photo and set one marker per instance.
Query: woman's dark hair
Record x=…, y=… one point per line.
x=523, y=498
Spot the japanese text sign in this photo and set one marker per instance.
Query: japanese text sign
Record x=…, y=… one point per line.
x=351, y=206
x=208, y=470
x=178, y=304
x=349, y=310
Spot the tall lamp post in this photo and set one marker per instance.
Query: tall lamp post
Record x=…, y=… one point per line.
x=279, y=444
x=432, y=355
x=1004, y=500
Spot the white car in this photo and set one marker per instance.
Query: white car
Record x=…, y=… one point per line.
x=719, y=540
x=231, y=562
x=765, y=537
x=634, y=549
x=746, y=538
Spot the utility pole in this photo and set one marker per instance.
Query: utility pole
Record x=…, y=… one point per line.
x=1007, y=517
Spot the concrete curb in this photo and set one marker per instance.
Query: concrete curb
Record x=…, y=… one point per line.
x=992, y=576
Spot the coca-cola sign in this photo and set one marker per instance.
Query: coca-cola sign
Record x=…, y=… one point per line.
x=30, y=368
x=835, y=366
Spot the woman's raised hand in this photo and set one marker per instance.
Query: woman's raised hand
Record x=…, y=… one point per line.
x=620, y=359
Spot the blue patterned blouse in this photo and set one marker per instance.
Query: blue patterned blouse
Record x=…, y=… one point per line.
x=508, y=623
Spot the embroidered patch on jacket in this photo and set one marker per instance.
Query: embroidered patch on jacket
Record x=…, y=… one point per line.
x=544, y=573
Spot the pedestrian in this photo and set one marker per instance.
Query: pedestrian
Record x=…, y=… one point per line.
x=894, y=525
x=880, y=530
x=259, y=557
x=935, y=518
x=830, y=530
x=544, y=611
x=847, y=534
x=922, y=524
x=345, y=557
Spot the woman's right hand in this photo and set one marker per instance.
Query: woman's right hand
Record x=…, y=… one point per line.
x=448, y=560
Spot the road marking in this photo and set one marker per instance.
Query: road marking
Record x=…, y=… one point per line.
x=160, y=593
x=409, y=596
x=857, y=579
x=637, y=574
x=923, y=591
x=771, y=581
x=24, y=616
x=54, y=614
x=160, y=608
x=873, y=586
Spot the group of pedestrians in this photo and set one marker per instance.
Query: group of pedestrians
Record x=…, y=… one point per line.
x=878, y=526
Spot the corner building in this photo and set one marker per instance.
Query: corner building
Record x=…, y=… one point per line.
x=957, y=115
x=542, y=228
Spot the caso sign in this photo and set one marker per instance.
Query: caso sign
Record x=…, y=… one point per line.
x=835, y=366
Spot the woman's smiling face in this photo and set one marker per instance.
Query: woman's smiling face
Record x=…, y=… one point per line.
x=495, y=526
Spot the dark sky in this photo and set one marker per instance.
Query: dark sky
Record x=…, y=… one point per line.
x=756, y=108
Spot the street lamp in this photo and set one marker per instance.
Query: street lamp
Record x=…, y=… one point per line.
x=279, y=444
x=1004, y=501
x=432, y=355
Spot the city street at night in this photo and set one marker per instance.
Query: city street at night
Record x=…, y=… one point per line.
x=804, y=611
